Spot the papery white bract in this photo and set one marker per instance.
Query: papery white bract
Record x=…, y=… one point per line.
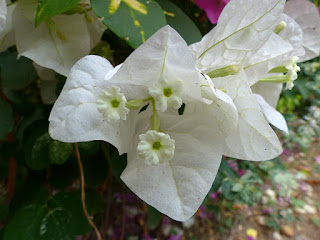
x=48, y=84
x=75, y=116
x=155, y=147
x=177, y=187
x=253, y=139
x=242, y=29
x=307, y=16
x=272, y=115
x=57, y=47
x=158, y=61
x=7, y=38
x=3, y=14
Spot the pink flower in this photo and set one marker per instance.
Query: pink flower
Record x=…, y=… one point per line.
x=317, y=158
x=213, y=8
x=214, y=195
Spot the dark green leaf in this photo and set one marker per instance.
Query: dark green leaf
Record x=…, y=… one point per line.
x=154, y=217
x=16, y=73
x=177, y=19
x=6, y=119
x=59, y=152
x=25, y=224
x=30, y=193
x=94, y=201
x=118, y=164
x=133, y=25
x=36, y=153
x=89, y=148
x=71, y=201
x=49, y=8
x=55, y=225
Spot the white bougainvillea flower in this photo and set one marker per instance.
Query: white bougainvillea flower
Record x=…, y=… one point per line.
x=306, y=14
x=177, y=186
x=167, y=93
x=75, y=116
x=253, y=139
x=176, y=179
x=6, y=34
x=3, y=14
x=277, y=51
x=157, y=66
x=56, y=45
x=241, y=31
x=111, y=103
x=155, y=147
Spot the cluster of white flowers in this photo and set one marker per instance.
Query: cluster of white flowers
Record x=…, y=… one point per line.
x=229, y=83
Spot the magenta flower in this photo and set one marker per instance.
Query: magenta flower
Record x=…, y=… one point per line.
x=317, y=158
x=213, y=8
x=214, y=195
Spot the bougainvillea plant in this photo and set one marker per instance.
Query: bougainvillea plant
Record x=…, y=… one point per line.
x=171, y=109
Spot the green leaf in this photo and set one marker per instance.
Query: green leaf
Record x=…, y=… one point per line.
x=6, y=119
x=94, y=201
x=154, y=217
x=59, y=152
x=71, y=202
x=55, y=225
x=226, y=189
x=237, y=187
x=49, y=8
x=133, y=20
x=16, y=73
x=36, y=153
x=25, y=224
x=177, y=19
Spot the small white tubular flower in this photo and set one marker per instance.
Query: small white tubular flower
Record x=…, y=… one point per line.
x=293, y=68
x=155, y=147
x=112, y=104
x=167, y=93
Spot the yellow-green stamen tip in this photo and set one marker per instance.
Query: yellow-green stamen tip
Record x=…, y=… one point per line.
x=115, y=103
x=156, y=145
x=167, y=92
x=281, y=26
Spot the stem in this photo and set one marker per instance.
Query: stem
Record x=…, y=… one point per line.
x=277, y=79
x=316, y=3
x=83, y=194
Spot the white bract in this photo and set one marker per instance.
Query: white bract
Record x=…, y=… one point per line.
x=242, y=31
x=3, y=14
x=306, y=14
x=58, y=43
x=6, y=33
